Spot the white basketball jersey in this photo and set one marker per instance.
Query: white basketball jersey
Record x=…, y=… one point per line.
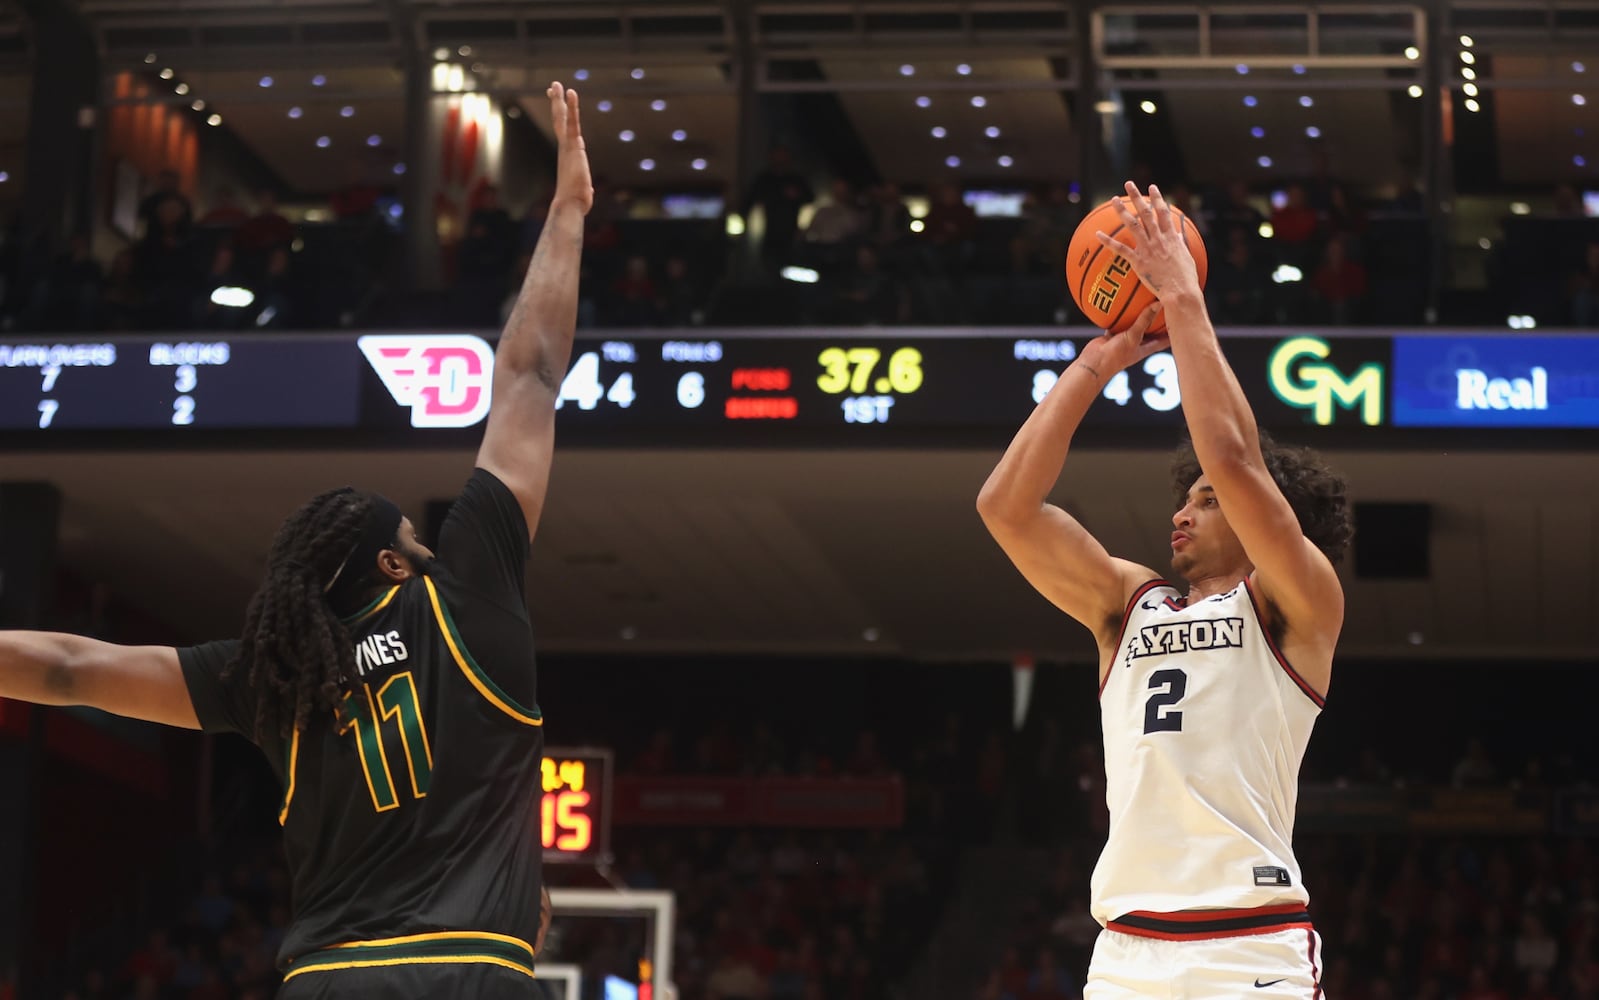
x=1205, y=726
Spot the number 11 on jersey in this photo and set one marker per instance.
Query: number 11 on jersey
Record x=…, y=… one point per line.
x=398, y=700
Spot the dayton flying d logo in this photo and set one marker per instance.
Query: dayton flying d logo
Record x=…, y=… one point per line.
x=444, y=378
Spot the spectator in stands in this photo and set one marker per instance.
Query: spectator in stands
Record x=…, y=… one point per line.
x=1047, y=226
x=1480, y=987
x=157, y=960
x=633, y=295
x=735, y=978
x=1235, y=290
x=277, y=292
x=226, y=214
x=941, y=253
x=213, y=908
x=1371, y=770
x=657, y=758
x=1319, y=187
x=678, y=301
x=1407, y=199
x=166, y=189
x=1536, y=988
x=1492, y=934
x=834, y=227
x=1237, y=212
x=865, y=295
x=121, y=300
x=887, y=221
x=488, y=251
x=1295, y=228
x=781, y=191
x=1012, y=974
x=166, y=270
x=1294, y=224
x=146, y=988
x=1583, y=294
x=1339, y=285
x=1048, y=981
x=1535, y=951
x=358, y=197
x=951, y=225
x=14, y=287
x=1345, y=217
x=765, y=756
x=264, y=230
x=1475, y=770
x=789, y=980
x=867, y=761
x=1075, y=928
x=1567, y=205
x=70, y=295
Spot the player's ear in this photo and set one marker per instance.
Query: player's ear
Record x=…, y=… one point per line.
x=394, y=566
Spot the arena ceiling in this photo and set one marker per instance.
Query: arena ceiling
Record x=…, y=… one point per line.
x=847, y=552
x=1021, y=59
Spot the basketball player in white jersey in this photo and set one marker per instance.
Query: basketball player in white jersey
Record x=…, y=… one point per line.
x=1209, y=691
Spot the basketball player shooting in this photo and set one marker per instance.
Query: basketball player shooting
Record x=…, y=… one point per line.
x=392, y=689
x=1208, y=691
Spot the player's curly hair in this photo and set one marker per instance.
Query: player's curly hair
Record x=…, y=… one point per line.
x=297, y=654
x=1315, y=492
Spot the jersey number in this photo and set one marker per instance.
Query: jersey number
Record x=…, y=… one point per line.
x=1173, y=684
x=398, y=700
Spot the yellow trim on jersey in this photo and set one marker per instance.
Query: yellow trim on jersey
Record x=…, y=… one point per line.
x=440, y=936
x=474, y=674
x=419, y=960
x=373, y=608
x=433, y=948
x=288, y=794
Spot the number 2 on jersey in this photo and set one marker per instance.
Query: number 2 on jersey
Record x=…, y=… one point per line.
x=398, y=700
x=1169, y=686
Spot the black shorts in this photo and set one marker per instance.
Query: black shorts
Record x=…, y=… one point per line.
x=418, y=982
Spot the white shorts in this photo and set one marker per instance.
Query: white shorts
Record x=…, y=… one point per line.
x=1276, y=963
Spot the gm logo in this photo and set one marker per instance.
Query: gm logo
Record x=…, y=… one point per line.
x=1301, y=377
x=444, y=378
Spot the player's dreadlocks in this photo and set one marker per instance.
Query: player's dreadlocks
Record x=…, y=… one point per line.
x=298, y=654
x=1314, y=491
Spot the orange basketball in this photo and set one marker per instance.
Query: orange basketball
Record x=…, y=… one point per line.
x=1103, y=283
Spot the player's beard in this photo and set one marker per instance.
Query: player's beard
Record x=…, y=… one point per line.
x=421, y=562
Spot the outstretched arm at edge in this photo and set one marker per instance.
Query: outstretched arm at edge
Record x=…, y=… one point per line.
x=54, y=668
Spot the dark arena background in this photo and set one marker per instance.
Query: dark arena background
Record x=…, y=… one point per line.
x=811, y=737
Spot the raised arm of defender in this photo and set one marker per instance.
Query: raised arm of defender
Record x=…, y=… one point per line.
x=1292, y=575
x=1051, y=548
x=536, y=347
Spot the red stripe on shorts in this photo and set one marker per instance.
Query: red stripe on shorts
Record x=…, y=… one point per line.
x=1315, y=975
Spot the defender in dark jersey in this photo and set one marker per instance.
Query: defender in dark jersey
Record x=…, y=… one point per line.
x=393, y=690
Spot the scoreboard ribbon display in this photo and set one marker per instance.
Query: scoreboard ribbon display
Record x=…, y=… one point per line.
x=751, y=385
x=1519, y=381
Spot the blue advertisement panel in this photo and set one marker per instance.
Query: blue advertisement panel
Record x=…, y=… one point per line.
x=1477, y=381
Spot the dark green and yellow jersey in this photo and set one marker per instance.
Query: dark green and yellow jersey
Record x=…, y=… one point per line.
x=412, y=831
